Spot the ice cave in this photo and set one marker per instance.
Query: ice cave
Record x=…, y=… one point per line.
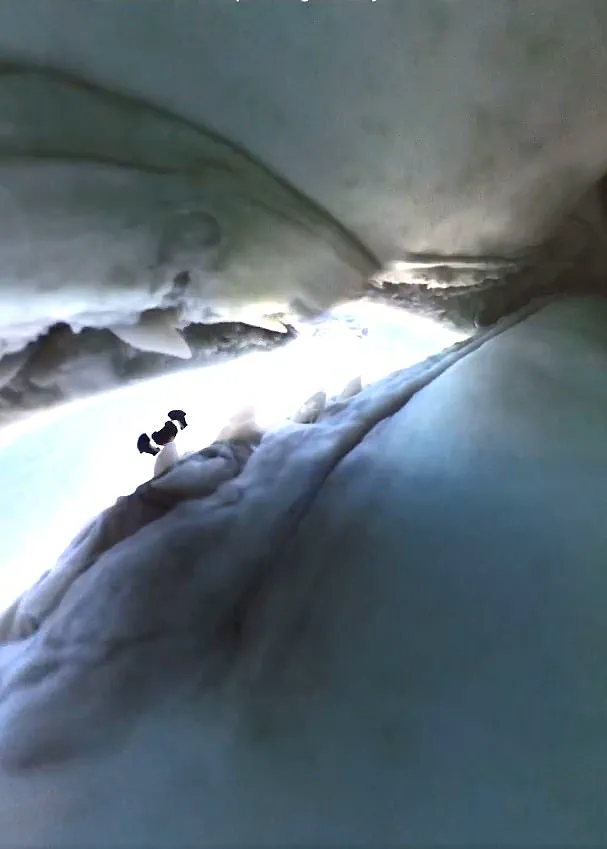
x=358, y=597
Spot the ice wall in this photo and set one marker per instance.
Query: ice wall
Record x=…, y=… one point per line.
x=383, y=627
x=424, y=124
x=269, y=155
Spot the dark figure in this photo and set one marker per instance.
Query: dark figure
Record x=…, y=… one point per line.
x=162, y=437
x=178, y=416
x=145, y=446
x=166, y=434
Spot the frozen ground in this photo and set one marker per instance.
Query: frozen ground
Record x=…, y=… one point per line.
x=67, y=465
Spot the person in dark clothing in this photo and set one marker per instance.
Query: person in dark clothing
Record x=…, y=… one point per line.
x=162, y=437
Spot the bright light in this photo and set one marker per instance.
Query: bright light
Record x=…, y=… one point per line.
x=61, y=468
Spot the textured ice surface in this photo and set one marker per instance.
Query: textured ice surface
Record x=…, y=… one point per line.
x=385, y=627
x=112, y=207
x=334, y=140
x=420, y=126
x=60, y=469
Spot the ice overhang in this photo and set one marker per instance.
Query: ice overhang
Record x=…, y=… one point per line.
x=169, y=167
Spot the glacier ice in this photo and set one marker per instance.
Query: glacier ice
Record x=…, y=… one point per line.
x=123, y=208
x=383, y=621
x=139, y=171
x=383, y=626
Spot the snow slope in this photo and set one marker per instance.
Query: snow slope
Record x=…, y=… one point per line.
x=383, y=627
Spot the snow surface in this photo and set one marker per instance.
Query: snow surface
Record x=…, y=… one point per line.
x=62, y=468
x=384, y=628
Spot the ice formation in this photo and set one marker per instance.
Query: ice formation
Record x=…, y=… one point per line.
x=121, y=209
x=382, y=622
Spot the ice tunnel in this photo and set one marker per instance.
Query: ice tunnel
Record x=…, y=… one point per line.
x=363, y=245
